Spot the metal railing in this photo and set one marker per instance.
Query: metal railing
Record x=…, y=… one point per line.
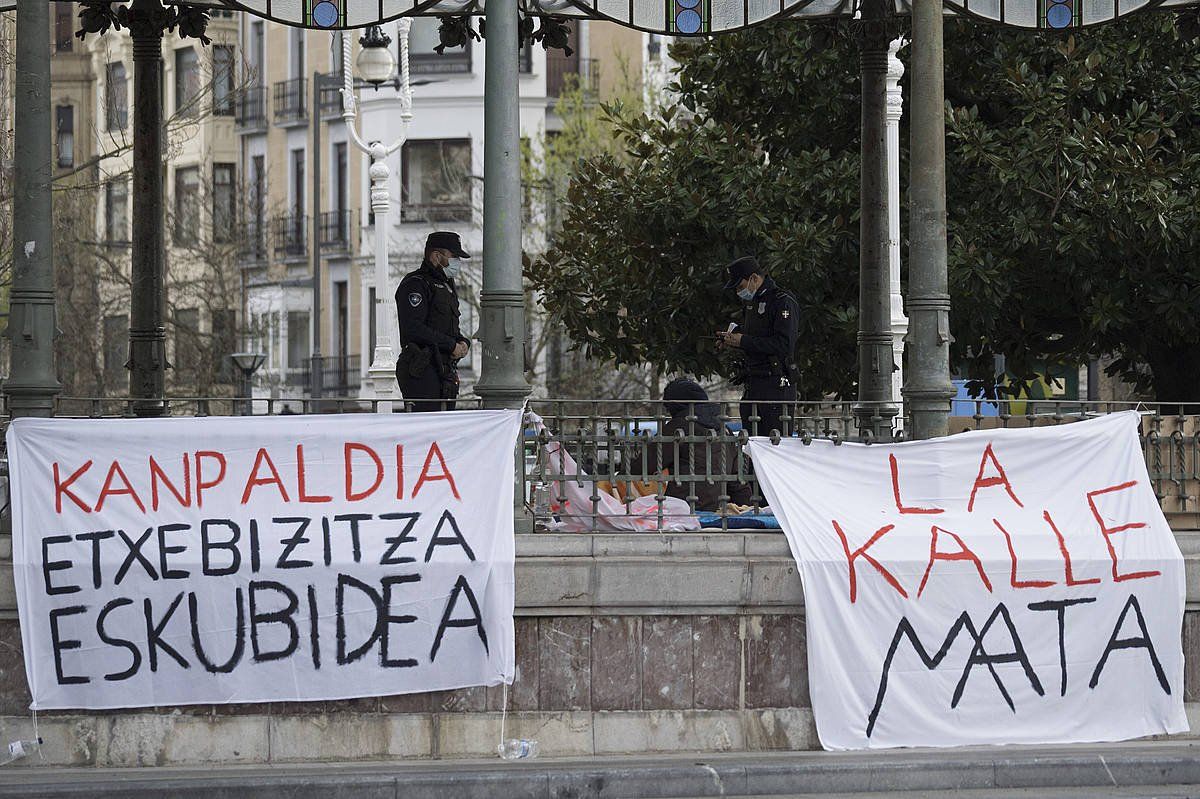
x=340, y=375
x=251, y=107
x=253, y=247
x=435, y=212
x=619, y=448
x=562, y=71
x=337, y=230
x=330, y=94
x=290, y=100
x=291, y=235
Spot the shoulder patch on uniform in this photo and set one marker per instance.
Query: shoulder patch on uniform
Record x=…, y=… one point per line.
x=415, y=299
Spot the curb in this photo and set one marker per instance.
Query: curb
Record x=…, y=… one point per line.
x=697, y=776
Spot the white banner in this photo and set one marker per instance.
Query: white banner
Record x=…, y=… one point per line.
x=1001, y=586
x=252, y=559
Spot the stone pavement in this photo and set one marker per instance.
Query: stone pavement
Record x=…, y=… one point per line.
x=1139, y=769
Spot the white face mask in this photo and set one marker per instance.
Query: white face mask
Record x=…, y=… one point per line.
x=745, y=295
x=453, y=268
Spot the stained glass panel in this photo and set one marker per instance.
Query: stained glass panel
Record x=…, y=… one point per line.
x=680, y=17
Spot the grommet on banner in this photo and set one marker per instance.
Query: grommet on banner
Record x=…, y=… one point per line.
x=775, y=438
x=806, y=438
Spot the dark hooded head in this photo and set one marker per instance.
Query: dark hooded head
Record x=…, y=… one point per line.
x=682, y=395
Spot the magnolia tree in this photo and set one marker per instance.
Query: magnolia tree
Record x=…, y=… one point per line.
x=1073, y=191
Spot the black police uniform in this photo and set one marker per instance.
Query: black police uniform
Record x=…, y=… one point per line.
x=427, y=310
x=769, y=343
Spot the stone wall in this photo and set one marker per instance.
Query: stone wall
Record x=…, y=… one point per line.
x=625, y=643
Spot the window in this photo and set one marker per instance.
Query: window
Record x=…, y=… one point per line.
x=116, y=352
x=187, y=81
x=64, y=124
x=298, y=184
x=257, y=62
x=339, y=55
x=654, y=48
x=187, y=205
x=437, y=181
x=340, y=176
x=116, y=212
x=223, y=80
x=297, y=48
x=422, y=38
x=341, y=323
x=258, y=192
x=297, y=340
x=224, y=200
x=64, y=27
x=116, y=97
x=224, y=344
x=187, y=344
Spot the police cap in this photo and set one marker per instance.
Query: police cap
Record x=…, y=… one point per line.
x=741, y=269
x=445, y=240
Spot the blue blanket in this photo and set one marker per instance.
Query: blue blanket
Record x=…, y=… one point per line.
x=749, y=521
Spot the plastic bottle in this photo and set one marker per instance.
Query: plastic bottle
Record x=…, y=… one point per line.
x=541, y=500
x=518, y=749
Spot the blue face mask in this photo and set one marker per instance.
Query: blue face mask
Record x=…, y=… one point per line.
x=454, y=268
x=745, y=295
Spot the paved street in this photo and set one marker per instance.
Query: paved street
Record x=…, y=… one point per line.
x=1115, y=770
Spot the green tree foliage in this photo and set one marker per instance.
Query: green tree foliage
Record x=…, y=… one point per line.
x=1074, y=198
x=636, y=271
x=1073, y=203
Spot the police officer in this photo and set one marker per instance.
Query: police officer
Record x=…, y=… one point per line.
x=767, y=339
x=427, y=310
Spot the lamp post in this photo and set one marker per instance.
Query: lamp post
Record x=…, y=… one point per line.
x=376, y=66
x=247, y=363
x=895, y=109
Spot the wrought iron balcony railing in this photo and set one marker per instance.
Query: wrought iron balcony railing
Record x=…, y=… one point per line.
x=251, y=107
x=291, y=235
x=340, y=375
x=437, y=212
x=289, y=99
x=338, y=230
x=564, y=71
x=254, y=243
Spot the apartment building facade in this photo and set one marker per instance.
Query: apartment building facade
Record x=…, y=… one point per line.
x=244, y=228
x=436, y=183
x=91, y=87
x=302, y=211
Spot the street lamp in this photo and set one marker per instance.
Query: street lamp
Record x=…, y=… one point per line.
x=248, y=363
x=375, y=63
x=376, y=66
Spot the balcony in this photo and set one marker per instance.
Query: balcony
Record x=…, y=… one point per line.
x=254, y=243
x=290, y=101
x=436, y=213
x=251, y=108
x=340, y=375
x=331, y=95
x=563, y=72
x=337, y=230
x=290, y=235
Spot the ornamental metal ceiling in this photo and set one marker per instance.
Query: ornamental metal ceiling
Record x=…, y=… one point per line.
x=678, y=17
x=668, y=17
